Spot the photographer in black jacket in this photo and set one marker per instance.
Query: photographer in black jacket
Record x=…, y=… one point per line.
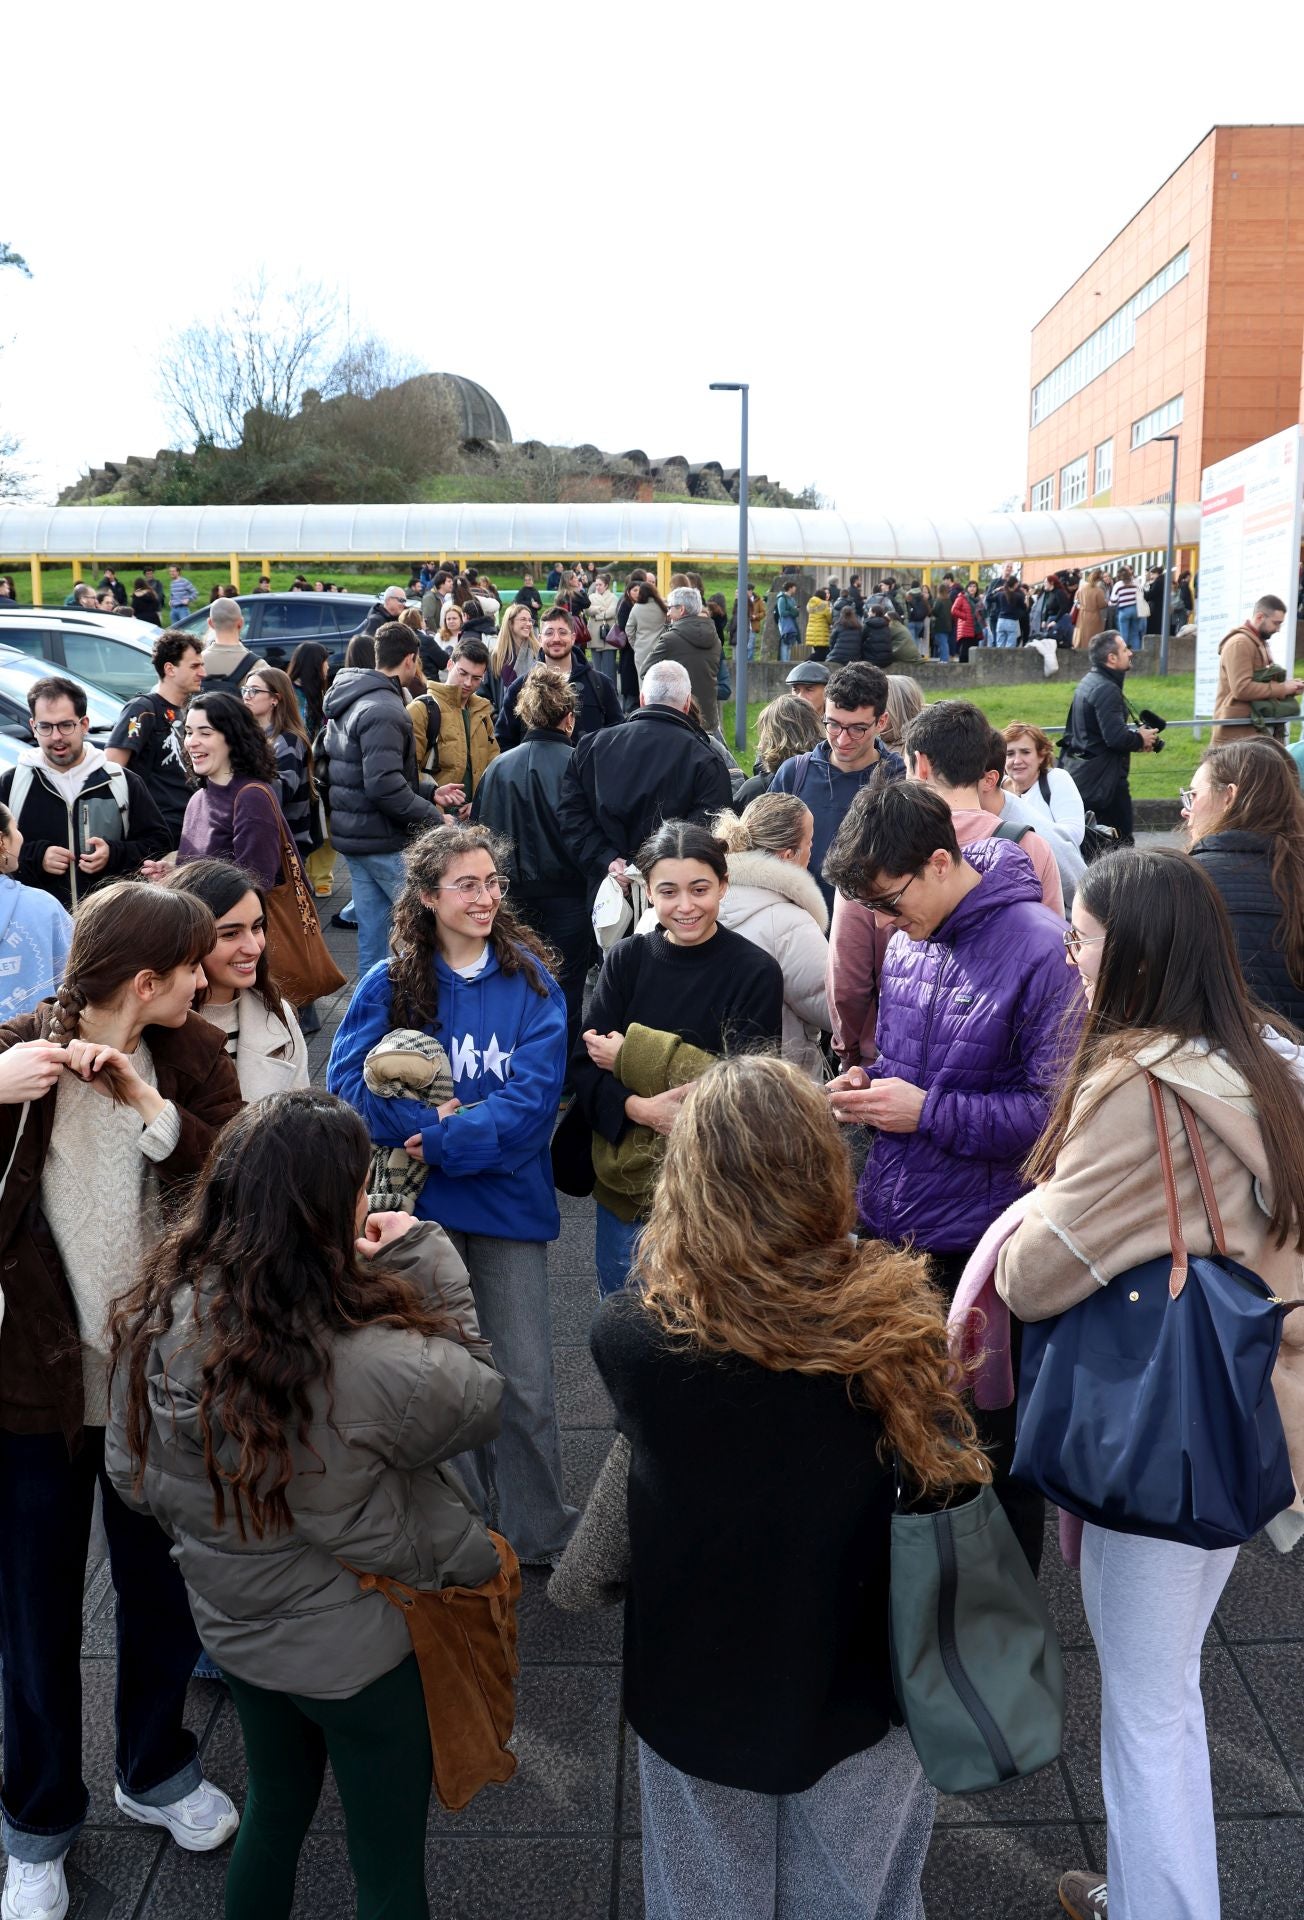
x=1099, y=738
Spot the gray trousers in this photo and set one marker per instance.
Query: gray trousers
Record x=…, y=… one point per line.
x=517, y=1478
x=851, y=1847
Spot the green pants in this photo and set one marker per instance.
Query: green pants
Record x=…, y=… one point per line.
x=378, y=1744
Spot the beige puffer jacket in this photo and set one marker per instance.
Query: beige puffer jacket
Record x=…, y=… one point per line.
x=281, y=1612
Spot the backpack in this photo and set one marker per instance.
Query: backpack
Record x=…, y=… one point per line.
x=1008, y=831
x=434, y=720
x=1043, y=785
x=231, y=682
x=24, y=774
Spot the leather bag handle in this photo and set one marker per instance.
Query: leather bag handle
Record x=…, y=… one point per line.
x=1202, y=1174
x=1177, y=1278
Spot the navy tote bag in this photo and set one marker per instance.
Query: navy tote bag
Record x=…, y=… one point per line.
x=1148, y=1408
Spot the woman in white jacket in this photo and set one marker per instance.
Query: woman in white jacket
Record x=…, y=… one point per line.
x=773, y=902
x=264, y=1042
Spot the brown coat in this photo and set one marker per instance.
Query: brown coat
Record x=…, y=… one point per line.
x=1238, y=655
x=448, y=766
x=1102, y=1211
x=1091, y=603
x=40, y=1348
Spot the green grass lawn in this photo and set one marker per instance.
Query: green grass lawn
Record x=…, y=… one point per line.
x=1154, y=776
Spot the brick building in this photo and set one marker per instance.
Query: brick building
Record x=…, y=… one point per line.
x=1190, y=321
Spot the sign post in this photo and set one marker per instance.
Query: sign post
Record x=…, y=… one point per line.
x=1249, y=545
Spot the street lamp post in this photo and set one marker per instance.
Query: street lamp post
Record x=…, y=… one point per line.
x=1168, y=569
x=743, y=632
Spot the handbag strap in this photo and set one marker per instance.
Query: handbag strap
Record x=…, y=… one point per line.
x=1202, y=1174
x=1177, y=1278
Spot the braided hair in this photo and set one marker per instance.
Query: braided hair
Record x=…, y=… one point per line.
x=120, y=931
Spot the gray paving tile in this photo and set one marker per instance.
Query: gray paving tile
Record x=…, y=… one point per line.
x=582, y=1400
x=549, y=1637
x=1248, y=1777
x=631, y=1881
x=1036, y=1801
x=582, y=1455
x=1063, y=1591
x=573, y=1301
x=98, y=1678
x=565, y=1744
x=499, y=1879
x=1276, y=1675
x=107, y=1872
x=1000, y=1873
x=1260, y=1867
x=1264, y=1599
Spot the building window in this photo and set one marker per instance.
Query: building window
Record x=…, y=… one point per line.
x=1110, y=341
x=1043, y=496
x=1104, y=467
x=1073, y=483
x=1162, y=420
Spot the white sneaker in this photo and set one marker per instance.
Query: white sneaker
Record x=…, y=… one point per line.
x=34, y=1890
x=204, y=1820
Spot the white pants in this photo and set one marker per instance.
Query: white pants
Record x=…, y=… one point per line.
x=1149, y=1604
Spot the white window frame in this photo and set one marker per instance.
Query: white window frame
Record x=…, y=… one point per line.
x=1104, y=469
x=1109, y=342
x=1159, y=420
x=1042, y=497
x=1073, y=483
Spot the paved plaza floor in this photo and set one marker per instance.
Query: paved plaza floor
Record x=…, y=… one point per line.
x=561, y=1841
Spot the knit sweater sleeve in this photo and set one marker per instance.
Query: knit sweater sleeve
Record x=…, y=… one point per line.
x=600, y=1094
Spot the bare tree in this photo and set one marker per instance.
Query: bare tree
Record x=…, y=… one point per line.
x=15, y=481
x=240, y=380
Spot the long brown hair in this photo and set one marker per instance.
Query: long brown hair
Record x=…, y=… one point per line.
x=748, y=1250
x=122, y=930
x=414, y=946
x=1268, y=801
x=267, y=1245
x=286, y=717
x=1168, y=971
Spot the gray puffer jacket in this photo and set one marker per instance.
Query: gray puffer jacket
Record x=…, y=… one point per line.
x=282, y=1612
x=372, y=761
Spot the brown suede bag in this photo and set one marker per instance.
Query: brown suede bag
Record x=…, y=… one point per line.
x=465, y=1642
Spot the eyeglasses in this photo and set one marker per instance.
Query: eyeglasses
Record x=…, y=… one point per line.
x=856, y=731
x=251, y=691
x=888, y=902
x=469, y=890
x=44, y=728
x=1187, y=797
x=1075, y=941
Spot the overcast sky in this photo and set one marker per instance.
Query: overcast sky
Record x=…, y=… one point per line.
x=597, y=209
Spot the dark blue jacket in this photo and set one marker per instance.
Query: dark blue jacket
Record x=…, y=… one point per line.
x=829, y=794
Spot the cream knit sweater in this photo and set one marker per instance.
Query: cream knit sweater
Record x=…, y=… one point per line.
x=99, y=1192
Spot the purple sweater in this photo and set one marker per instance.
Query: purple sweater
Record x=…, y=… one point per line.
x=216, y=828
x=983, y=1015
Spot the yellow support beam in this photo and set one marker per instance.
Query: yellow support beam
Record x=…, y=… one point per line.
x=38, y=598
x=665, y=567
x=235, y=571
x=76, y=573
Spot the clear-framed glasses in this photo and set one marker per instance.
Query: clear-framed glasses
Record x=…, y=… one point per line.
x=1075, y=941
x=889, y=902
x=469, y=890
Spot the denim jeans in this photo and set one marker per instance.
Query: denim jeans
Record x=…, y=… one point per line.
x=788, y=637
x=1131, y=626
x=917, y=629
x=1007, y=633
x=45, y=1521
x=613, y=1249
x=377, y=879
x=942, y=641
x=517, y=1478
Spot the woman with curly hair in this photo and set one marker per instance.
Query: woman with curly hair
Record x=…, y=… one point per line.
x=771, y=1376
x=110, y=1097
x=466, y=972
x=269, y=1331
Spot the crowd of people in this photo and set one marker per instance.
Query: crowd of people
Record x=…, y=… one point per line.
x=820, y=1037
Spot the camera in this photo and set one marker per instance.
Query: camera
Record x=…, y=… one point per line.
x=1149, y=719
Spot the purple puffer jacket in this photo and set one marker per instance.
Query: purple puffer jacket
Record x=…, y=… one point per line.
x=983, y=1015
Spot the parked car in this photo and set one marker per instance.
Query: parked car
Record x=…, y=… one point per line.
x=18, y=671
x=108, y=651
x=276, y=623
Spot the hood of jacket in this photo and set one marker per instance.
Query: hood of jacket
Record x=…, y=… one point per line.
x=1219, y=1095
x=694, y=630
x=352, y=685
x=765, y=874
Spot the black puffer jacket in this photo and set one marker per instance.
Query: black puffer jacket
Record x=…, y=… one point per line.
x=519, y=796
x=1240, y=866
x=623, y=782
x=375, y=806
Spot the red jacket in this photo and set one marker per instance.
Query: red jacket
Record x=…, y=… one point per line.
x=962, y=614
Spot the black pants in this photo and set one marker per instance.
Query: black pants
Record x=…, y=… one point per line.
x=1025, y=1507
x=1116, y=812
x=45, y=1521
x=563, y=921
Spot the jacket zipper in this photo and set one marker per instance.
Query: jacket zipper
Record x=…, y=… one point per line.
x=966, y=1692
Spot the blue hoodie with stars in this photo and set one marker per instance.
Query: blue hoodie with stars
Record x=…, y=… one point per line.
x=489, y=1168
